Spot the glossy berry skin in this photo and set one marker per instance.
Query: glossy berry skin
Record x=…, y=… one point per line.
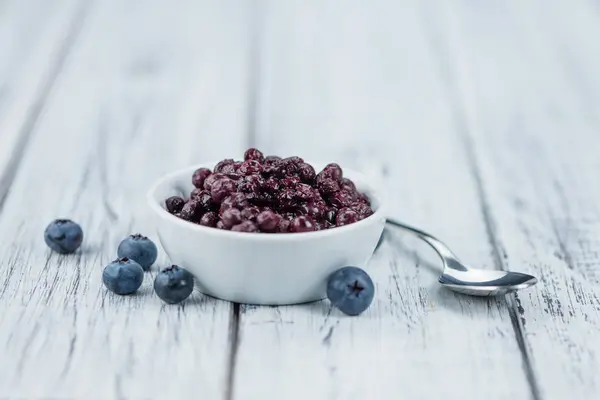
x=208, y=182
x=123, y=276
x=246, y=226
x=221, y=189
x=174, y=204
x=268, y=221
x=209, y=219
x=302, y=224
x=63, y=236
x=346, y=216
x=223, y=163
x=231, y=217
x=139, y=249
x=200, y=176
x=306, y=173
x=191, y=211
x=173, y=284
x=254, y=154
x=351, y=290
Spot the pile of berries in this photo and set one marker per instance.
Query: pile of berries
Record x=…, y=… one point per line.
x=271, y=195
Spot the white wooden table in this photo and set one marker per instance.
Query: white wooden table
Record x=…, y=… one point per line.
x=482, y=117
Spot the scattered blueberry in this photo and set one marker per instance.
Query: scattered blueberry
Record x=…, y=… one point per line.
x=63, y=236
x=123, y=276
x=140, y=249
x=351, y=290
x=173, y=284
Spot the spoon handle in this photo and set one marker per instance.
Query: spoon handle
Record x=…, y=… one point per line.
x=450, y=260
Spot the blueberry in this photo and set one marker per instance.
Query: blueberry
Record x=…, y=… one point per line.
x=63, y=236
x=200, y=176
x=173, y=284
x=140, y=249
x=302, y=224
x=254, y=154
x=268, y=221
x=174, y=204
x=346, y=216
x=351, y=290
x=123, y=276
x=245, y=226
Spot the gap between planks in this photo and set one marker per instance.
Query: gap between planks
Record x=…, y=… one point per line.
x=55, y=67
x=448, y=76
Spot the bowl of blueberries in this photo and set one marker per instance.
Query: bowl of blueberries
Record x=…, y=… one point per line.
x=270, y=230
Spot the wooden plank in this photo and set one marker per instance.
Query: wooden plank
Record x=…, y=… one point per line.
x=34, y=36
x=529, y=88
x=358, y=84
x=147, y=89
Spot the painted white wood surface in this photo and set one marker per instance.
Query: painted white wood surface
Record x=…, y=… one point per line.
x=144, y=90
x=482, y=119
x=361, y=86
x=534, y=125
x=34, y=36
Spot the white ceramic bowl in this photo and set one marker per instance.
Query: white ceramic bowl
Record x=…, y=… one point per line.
x=261, y=268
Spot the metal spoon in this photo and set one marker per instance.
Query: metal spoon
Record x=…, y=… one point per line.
x=475, y=282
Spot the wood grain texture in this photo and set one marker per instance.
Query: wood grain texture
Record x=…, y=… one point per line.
x=35, y=37
x=360, y=85
x=145, y=90
x=533, y=126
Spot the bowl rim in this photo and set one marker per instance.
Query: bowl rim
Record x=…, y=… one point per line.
x=161, y=212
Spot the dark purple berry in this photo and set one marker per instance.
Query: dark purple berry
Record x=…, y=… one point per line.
x=231, y=217
x=304, y=192
x=208, y=182
x=251, y=184
x=174, y=204
x=209, y=219
x=283, y=226
x=306, y=173
x=250, y=213
x=348, y=185
x=268, y=221
x=314, y=210
x=271, y=185
x=269, y=160
x=362, y=210
x=203, y=197
x=285, y=199
x=330, y=215
x=328, y=187
x=229, y=169
x=302, y=224
x=221, y=189
x=334, y=172
x=246, y=226
x=254, y=154
x=222, y=163
x=346, y=216
x=290, y=182
x=200, y=176
x=363, y=198
x=250, y=167
x=235, y=200
x=341, y=199
x=293, y=160
x=191, y=211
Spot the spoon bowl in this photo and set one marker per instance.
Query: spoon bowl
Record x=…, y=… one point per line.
x=474, y=282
